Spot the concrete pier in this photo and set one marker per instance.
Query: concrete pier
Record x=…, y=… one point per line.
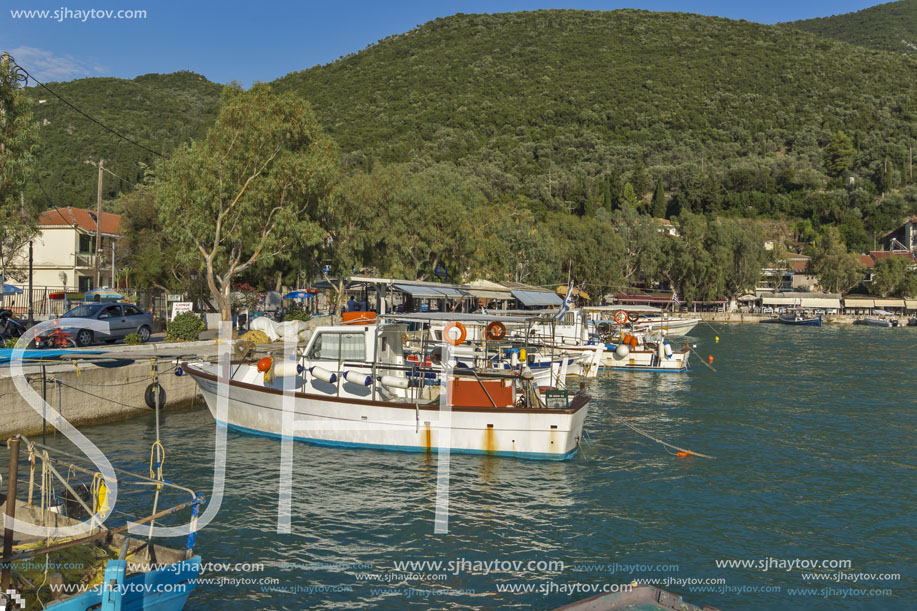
x=90, y=393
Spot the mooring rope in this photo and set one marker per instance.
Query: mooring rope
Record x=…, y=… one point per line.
x=92, y=394
x=664, y=443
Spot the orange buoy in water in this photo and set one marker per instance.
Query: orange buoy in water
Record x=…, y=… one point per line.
x=683, y=454
x=264, y=364
x=710, y=359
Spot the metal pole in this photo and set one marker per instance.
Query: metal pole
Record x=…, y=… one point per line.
x=99, y=225
x=44, y=405
x=13, y=474
x=31, y=314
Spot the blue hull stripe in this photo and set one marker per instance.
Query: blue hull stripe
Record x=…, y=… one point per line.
x=414, y=449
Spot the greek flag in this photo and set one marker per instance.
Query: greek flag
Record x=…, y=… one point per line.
x=675, y=298
x=568, y=301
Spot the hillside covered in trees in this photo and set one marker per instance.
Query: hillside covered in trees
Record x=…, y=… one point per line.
x=158, y=111
x=558, y=114
x=887, y=27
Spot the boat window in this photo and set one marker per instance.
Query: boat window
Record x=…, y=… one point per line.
x=338, y=346
x=353, y=347
x=570, y=318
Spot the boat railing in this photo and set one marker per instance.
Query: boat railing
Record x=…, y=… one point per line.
x=39, y=458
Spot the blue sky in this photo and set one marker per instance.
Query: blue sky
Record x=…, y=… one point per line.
x=260, y=41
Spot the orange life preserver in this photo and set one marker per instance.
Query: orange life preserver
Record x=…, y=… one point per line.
x=620, y=317
x=633, y=342
x=633, y=317
x=495, y=331
x=461, y=329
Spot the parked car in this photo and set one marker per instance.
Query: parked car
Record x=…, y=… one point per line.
x=122, y=319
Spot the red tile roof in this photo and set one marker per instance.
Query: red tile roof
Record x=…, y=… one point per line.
x=799, y=265
x=878, y=255
x=867, y=261
x=80, y=217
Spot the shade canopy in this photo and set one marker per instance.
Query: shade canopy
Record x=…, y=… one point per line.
x=537, y=298
x=9, y=289
x=425, y=291
x=298, y=295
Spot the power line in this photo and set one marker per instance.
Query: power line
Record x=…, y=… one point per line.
x=96, y=121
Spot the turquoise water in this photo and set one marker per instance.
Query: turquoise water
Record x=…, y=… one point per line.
x=813, y=431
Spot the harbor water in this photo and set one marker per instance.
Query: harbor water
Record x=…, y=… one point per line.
x=812, y=430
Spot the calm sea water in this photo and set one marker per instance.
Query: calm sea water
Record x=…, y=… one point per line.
x=813, y=430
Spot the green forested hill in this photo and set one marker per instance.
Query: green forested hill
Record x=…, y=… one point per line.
x=158, y=111
x=888, y=27
x=550, y=102
x=562, y=110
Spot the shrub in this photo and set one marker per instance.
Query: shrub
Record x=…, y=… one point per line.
x=10, y=343
x=257, y=337
x=133, y=339
x=186, y=327
x=297, y=315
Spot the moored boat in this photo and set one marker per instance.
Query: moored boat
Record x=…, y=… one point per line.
x=796, y=317
x=351, y=387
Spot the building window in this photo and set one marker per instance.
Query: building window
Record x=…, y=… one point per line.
x=86, y=244
x=85, y=284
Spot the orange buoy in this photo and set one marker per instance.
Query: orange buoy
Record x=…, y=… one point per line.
x=495, y=331
x=683, y=454
x=633, y=342
x=264, y=364
x=448, y=336
x=626, y=339
x=710, y=359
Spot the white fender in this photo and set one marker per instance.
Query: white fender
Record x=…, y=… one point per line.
x=323, y=374
x=394, y=381
x=355, y=377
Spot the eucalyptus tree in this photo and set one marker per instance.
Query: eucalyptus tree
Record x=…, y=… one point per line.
x=18, y=144
x=249, y=192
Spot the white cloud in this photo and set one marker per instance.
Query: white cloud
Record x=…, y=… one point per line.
x=48, y=66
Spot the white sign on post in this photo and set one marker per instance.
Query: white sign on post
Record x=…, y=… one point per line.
x=180, y=307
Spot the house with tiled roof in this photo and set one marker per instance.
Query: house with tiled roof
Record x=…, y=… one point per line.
x=902, y=238
x=64, y=254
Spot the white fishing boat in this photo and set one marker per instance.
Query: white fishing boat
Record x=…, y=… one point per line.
x=351, y=387
x=640, y=318
x=640, y=351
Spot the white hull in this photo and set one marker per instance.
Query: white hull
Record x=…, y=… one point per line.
x=327, y=419
x=674, y=327
x=646, y=360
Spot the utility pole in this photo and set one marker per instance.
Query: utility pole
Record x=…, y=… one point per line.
x=99, y=226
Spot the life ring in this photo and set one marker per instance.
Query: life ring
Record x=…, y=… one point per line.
x=461, y=329
x=633, y=317
x=495, y=331
x=620, y=317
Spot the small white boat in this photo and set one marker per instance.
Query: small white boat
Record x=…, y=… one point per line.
x=643, y=352
x=351, y=387
x=674, y=327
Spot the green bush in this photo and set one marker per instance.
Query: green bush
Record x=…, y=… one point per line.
x=10, y=343
x=297, y=315
x=133, y=339
x=186, y=327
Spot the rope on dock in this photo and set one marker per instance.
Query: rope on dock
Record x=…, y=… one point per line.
x=664, y=443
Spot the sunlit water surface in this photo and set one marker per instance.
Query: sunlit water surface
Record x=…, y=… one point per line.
x=812, y=429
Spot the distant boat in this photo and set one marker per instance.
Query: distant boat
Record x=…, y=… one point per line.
x=881, y=318
x=796, y=317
